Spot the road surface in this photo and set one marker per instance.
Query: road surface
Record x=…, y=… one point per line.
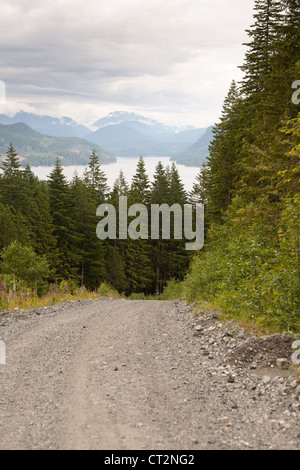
x=120, y=374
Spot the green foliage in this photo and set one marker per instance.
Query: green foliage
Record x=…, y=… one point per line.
x=40, y=149
x=173, y=290
x=106, y=290
x=249, y=266
x=24, y=264
x=248, y=275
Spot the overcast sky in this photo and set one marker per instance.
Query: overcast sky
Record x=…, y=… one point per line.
x=171, y=60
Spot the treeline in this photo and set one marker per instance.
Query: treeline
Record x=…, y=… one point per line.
x=250, y=265
x=55, y=221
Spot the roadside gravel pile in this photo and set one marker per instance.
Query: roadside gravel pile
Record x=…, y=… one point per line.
x=260, y=374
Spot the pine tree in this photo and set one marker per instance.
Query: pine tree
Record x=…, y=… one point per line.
x=160, y=186
x=263, y=34
x=224, y=153
x=92, y=261
x=8, y=232
x=176, y=256
x=138, y=265
x=140, y=186
x=11, y=181
x=197, y=195
x=116, y=249
x=44, y=240
x=95, y=176
x=62, y=212
x=120, y=187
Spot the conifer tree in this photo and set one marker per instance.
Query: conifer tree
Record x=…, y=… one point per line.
x=62, y=212
x=223, y=154
x=140, y=186
x=263, y=34
x=44, y=240
x=92, y=259
x=11, y=182
x=96, y=178
x=8, y=231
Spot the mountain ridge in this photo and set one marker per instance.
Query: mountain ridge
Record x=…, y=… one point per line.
x=120, y=133
x=39, y=149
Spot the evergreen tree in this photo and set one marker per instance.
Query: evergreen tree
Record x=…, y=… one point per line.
x=177, y=193
x=92, y=261
x=44, y=240
x=169, y=258
x=121, y=187
x=223, y=154
x=116, y=249
x=197, y=194
x=8, y=231
x=263, y=34
x=160, y=186
x=11, y=181
x=96, y=178
x=62, y=212
x=140, y=186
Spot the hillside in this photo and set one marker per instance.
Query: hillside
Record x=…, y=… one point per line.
x=128, y=134
x=49, y=125
x=120, y=133
x=40, y=149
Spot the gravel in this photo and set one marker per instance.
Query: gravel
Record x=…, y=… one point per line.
x=120, y=374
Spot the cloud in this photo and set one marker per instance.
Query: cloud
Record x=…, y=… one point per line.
x=136, y=53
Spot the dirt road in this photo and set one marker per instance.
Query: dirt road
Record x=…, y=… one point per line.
x=118, y=374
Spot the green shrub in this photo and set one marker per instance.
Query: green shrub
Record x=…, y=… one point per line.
x=250, y=274
x=105, y=290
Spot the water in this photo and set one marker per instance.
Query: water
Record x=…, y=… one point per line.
x=128, y=165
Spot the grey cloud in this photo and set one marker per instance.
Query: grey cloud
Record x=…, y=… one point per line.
x=121, y=50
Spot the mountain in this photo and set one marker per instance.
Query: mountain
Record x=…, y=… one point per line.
x=129, y=134
x=123, y=140
x=195, y=155
x=120, y=133
x=57, y=127
x=39, y=149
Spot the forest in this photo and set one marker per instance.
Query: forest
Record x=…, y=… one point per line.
x=250, y=185
x=57, y=221
x=250, y=264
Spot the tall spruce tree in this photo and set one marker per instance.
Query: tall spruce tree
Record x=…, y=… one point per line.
x=11, y=181
x=62, y=212
x=97, y=178
x=263, y=34
x=92, y=257
x=223, y=155
x=140, y=185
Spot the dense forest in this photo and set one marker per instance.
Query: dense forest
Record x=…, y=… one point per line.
x=250, y=187
x=57, y=221
x=250, y=265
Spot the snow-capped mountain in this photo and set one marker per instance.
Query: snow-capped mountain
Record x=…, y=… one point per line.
x=129, y=134
x=139, y=122
x=121, y=133
x=122, y=117
x=48, y=125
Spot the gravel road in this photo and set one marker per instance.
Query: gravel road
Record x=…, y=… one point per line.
x=129, y=375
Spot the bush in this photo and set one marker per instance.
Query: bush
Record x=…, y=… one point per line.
x=105, y=290
x=173, y=290
x=249, y=274
x=24, y=264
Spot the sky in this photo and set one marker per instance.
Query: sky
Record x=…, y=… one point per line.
x=169, y=60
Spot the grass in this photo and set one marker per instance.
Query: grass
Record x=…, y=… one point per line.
x=22, y=298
